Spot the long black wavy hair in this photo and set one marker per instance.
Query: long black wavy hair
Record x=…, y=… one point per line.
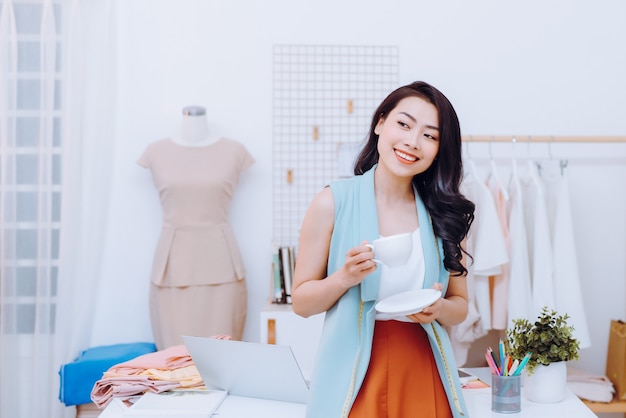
x=451, y=213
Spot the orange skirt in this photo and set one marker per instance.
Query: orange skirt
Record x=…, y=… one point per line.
x=402, y=378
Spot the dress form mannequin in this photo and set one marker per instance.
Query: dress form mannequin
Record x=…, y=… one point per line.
x=198, y=278
x=194, y=128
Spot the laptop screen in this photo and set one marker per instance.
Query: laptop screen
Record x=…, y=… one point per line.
x=242, y=368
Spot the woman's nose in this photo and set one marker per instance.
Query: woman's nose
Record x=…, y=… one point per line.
x=414, y=141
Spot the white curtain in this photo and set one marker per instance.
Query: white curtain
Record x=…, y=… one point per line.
x=56, y=125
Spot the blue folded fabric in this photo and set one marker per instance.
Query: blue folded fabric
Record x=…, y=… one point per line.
x=79, y=376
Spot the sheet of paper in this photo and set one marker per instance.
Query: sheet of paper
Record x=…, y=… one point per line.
x=179, y=403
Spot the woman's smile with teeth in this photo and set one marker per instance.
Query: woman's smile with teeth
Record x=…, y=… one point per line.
x=405, y=156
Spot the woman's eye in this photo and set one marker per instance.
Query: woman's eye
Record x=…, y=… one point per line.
x=429, y=136
x=404, y=125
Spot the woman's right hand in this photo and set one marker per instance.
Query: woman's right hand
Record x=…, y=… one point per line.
x=358, y=264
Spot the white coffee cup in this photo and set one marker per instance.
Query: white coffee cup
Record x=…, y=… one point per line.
x=394, y=250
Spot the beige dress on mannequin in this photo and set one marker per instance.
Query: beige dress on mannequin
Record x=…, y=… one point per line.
x=198, y=276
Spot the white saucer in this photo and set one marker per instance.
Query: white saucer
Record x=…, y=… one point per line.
x=408, y=303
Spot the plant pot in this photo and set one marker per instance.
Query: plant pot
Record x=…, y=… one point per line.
x=547, y=384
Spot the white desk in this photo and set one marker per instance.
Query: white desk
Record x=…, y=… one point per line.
x=236, y=407
x=478, y=403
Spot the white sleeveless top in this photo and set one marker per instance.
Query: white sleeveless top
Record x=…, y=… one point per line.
x=394, y=280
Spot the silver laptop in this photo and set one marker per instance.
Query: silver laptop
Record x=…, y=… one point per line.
x=242, y=368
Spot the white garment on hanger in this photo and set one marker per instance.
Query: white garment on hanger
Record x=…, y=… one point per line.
x=539, y=242
x=499, y=283
x=568, y=293
x=520, y=292
x=485, y=243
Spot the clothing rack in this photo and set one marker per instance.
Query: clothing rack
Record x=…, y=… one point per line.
x=543, y=138
x=528, y=140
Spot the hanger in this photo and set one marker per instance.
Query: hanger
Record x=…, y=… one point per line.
x=493, y=171
x=467, y=158
x=467, y=147
x=513, y=157
x=562, y=163
x=550, y=147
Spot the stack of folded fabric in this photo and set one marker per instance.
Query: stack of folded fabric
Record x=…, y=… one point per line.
x=160, y=371
x=79, y=376
x=588, y=386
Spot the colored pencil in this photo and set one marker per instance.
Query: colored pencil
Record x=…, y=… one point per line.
x=522, y=364
x=492, y=366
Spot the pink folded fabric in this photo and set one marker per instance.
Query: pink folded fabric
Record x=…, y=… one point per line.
x=105, y=389
x=158, y=372
x=169, y=358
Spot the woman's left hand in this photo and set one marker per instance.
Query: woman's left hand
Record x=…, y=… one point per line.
x=429, y=313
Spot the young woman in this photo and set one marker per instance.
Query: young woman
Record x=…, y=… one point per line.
x=406, y=180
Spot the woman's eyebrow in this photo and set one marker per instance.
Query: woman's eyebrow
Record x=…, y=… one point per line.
x=415, y=120
x=408, y=116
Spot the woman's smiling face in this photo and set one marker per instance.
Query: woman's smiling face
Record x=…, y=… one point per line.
x=408, y=137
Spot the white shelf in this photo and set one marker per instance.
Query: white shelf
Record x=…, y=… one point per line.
x=301, y=334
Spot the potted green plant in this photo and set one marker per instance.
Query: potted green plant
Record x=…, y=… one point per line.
x=551, y=343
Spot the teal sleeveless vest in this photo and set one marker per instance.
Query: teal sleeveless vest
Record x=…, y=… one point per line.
x=345, y=345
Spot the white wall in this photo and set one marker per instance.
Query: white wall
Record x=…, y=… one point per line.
x=529, y=67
